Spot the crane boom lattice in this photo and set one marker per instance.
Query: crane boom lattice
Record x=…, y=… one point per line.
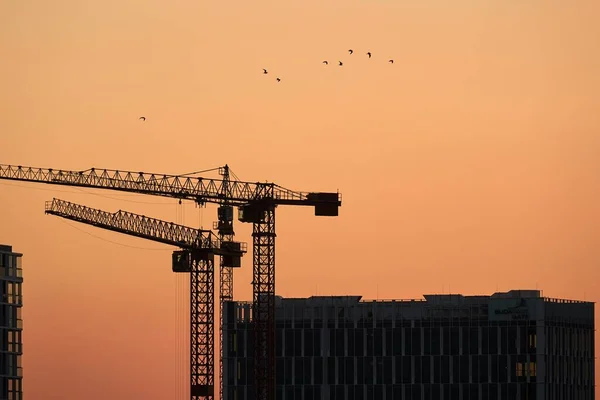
x=201, y=190
x=136, y=225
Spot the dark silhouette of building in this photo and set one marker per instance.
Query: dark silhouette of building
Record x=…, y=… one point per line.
x=514, y=345
x=11, y=324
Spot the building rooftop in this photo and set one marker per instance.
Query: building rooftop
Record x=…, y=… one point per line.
x=453, y=299
x=4, y=248
x=514, y=305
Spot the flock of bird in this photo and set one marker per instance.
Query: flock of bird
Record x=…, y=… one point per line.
x=278, y=79
x=340, y=63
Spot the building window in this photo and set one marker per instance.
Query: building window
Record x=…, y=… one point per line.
x=532, y=369
x=520, y=369
x=533, y=340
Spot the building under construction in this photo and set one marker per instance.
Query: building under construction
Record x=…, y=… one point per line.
x=11, y=324
x=514, y=345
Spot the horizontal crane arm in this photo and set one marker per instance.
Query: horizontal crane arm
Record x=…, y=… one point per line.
x=198, y=189
x=140, y=226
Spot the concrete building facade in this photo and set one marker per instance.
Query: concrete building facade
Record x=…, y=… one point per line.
x=11, y=324
x=514, y=345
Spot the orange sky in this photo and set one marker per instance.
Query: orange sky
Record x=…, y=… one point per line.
x=468, y=165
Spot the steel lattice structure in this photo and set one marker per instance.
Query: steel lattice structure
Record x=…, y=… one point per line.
x=198, y=259
x=136, y=225
x=263, y=315
x=224, y=226
x=202, y=327
x=198, y=189
x=256, y=204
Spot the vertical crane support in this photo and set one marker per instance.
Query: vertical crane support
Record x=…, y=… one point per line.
x=263, y=249
x=202, y=326
x=224, y=226
x=200, y=266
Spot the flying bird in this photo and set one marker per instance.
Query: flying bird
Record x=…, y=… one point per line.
x=143, y=118
x=265, y=71
x=369, y=54
x=341, y=63
x=391, y=61
x=325, y=62
x=278, y=80
x=350, y=51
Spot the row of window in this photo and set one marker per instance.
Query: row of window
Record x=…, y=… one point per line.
x=395, y=341
x=10, y=316
x=10, y=311
x=11, y=364
x=11, y=272
x=423, y=322
x=371, y=311
x=421, y=341
x=12, y=348
x=10, y=288
x=361, y=315
x=12, y=299
x=513, y=391
x=570, y=341
x=10, y=261
x=10, y=341
x=10, y=266
x=392, y=370
x=569, y=370
x=11, y=389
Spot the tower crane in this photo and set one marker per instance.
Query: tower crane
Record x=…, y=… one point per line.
x=256, y=204
x=196, y=257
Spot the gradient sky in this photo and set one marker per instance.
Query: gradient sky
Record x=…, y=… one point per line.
x=470, y=165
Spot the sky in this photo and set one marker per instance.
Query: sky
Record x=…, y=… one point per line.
x=467, y=166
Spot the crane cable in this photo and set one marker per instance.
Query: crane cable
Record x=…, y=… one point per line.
x=200, y=172
x=178, y=386
x=176, y=341
x=110, y=241
x=185, y=318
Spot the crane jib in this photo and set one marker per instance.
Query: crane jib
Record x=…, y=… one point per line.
x=198, y=189
x=181, y=236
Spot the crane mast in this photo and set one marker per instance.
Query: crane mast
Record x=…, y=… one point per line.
x=224, y=227
x=256, y=204
x=195, y=258
x=263, y=240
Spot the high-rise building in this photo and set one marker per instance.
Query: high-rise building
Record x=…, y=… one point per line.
x=514, y=345
x=11, y=324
